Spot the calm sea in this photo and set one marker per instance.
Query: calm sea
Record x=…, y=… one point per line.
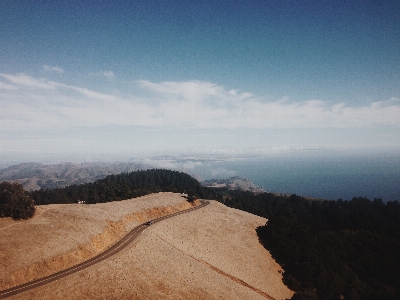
x=317, y=175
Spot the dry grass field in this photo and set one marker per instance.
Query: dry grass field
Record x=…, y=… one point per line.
x=210, y=253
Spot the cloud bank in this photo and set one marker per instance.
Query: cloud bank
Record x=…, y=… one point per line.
x=29, y=103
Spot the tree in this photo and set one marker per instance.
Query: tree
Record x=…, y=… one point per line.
x=14, y=202
x=191, y=197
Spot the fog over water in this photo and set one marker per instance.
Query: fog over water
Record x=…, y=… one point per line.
x=318, y=173
x=320, y=176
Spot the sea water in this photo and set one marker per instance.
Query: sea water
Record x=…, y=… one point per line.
x=318, y=175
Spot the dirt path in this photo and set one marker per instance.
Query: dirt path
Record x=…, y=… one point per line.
x=228, y=275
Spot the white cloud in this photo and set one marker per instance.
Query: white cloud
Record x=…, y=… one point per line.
x=107, y=74
x=23, y=80
x=28, y=102
x=53, y=69
x=6, y=86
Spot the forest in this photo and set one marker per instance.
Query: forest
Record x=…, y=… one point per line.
x=124, y=186
x=327, y=249
x=330, y=249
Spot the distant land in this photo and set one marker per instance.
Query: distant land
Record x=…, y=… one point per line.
x=313, y=173
x=233, y=183
x=35, y=176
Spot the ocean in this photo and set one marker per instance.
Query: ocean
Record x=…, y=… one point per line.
x=318, y=175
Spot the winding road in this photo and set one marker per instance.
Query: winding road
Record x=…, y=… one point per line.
x=118, y=246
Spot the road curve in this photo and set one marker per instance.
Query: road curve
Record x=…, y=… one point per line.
x=118, y=246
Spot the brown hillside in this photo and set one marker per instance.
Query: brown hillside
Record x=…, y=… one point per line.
x=211, y=253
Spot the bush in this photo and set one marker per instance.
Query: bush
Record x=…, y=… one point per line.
x=14, y=202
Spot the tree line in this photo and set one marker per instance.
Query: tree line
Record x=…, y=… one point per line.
x=330, y=249
x=124, y=186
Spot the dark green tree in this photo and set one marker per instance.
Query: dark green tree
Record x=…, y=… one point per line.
x=14, y=202
x=191, y=196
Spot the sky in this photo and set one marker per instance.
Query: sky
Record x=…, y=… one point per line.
x=111, y=78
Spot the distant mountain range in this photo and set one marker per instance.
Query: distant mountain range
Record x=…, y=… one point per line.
x=35, y=176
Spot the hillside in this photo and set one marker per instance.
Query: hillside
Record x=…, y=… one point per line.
x=330, y=249
x=211, y=253
x=34, y=176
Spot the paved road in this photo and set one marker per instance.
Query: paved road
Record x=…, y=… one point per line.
x=118, y=246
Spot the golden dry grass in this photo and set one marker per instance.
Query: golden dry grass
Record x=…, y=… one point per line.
x=210, y=253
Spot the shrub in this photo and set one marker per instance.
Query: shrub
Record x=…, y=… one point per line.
x=14, y=202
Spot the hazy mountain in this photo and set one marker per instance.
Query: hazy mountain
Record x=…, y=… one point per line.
x=34, y=176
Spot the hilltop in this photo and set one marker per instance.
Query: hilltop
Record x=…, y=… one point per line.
x=211, y=253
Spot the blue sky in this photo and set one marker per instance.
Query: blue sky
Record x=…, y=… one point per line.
x=112, y=77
